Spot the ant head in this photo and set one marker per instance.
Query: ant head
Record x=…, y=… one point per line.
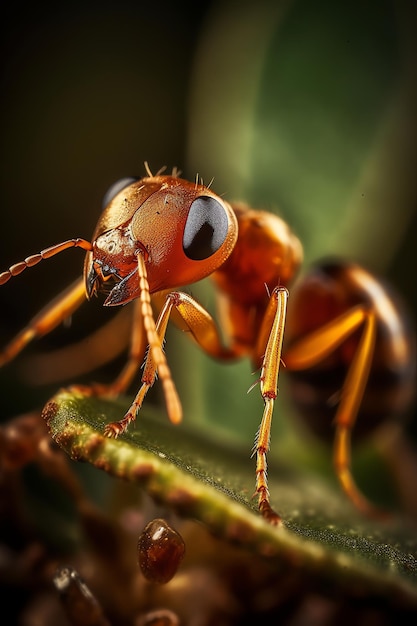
x=183, y=230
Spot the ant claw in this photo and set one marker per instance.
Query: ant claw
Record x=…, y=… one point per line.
x=269, y=514
x=113, y=430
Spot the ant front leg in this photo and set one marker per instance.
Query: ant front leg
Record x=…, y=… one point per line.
x=204, y=331
x=155, y=362
x=114, y=429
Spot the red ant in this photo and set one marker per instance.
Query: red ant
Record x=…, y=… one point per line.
x=344, y=334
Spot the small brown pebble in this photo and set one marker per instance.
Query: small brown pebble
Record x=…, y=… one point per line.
x=160, y=551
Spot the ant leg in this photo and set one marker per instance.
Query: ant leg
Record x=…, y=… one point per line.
x=126, y=376
x=50, y=317
x=352, y=394
x=136, y=352
x=269, y=389
x=155, y=362
x=96, y=349
x=311, y=350
x=114, y=429
x=155, y=345
x=203, y=329
x=200, y=324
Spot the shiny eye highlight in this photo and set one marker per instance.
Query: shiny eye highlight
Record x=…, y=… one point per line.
x=206, y=228
x=116, y=188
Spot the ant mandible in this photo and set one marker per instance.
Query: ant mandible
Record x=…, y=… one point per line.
x=161, y=232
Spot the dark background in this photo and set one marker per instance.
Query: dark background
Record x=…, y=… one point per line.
x=90, y=91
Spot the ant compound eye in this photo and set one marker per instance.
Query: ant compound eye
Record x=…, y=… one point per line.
x=116, y=188
x=206, y=228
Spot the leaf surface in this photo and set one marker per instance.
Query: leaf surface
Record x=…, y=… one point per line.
x=205, y=480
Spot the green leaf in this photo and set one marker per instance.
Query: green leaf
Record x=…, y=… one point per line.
x=206, y=480
x=312, y=115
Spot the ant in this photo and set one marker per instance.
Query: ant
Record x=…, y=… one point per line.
x=345, y=336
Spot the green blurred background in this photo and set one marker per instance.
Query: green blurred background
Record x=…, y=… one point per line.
x=306, y=108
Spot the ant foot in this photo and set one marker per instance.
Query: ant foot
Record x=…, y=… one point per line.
x=114, y=429
x=269, y=514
